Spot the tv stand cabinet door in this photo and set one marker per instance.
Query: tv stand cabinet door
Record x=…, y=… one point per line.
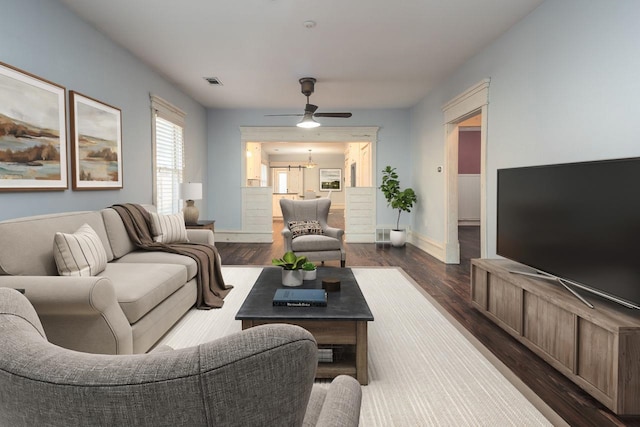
x=499, y=300
x=551, y=329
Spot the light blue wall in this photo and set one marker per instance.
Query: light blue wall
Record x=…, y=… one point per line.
x=44, y=38
x=225, y=153
x=564, y=87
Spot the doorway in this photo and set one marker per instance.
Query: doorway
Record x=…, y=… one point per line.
x=472, y=102
x=469, y=171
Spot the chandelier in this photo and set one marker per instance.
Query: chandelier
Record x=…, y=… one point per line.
x=310, y=164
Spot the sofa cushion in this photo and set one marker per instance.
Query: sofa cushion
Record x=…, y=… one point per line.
x=153, y=257
x=119, y=240
x=80, y=253
x=141, y=287
x=315, y=243
x=168, y=228
x=34, y=236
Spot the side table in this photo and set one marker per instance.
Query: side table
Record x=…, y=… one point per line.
x=205, y=224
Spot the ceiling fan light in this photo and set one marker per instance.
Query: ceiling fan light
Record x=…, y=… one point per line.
x=307, y=122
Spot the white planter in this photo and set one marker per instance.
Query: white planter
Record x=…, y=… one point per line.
x=291, y=277
x=398, y=238
x=309, y=275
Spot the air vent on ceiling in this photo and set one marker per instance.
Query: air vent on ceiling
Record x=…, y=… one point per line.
x=213, y=81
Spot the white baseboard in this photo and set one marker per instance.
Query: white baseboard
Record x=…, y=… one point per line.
x=433, y=248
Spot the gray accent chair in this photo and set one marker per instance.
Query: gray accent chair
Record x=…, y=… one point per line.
x=263, y=376
x=325, y=247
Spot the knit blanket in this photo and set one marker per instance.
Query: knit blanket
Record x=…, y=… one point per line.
x=211, y=286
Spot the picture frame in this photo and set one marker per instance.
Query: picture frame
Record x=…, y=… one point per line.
x=96, y=144
x=330, y=179
x=33, y=132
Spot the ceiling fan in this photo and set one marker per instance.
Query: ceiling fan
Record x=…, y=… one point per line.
x=307, y=85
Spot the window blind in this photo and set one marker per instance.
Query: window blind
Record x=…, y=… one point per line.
x=168, y=155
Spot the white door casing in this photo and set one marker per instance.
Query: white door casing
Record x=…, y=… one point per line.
x=473, y=100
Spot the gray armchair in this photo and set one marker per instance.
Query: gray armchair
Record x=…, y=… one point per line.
x=316, y=247
x=259, y=377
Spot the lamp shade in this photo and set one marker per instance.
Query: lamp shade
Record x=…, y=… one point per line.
x=307, y=122
x=191, y=191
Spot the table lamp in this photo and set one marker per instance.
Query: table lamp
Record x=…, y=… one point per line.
x=190, y=191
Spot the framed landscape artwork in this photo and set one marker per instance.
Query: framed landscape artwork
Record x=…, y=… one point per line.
x=33, y=138
x=96, y=144
x=330, y=179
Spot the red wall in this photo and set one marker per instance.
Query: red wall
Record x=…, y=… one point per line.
x=469, y=152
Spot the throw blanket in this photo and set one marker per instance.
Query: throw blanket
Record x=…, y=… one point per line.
x=211, y=286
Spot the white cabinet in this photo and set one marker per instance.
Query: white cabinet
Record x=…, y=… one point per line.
x=277, y=212
x=254, y=161
x=357, y=167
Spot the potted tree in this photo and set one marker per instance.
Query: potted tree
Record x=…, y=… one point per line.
x=291, y=268
x=402, y=200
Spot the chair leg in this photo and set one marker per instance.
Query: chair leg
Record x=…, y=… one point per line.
x=342, y=263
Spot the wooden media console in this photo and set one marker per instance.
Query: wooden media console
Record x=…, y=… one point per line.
x=598, y=349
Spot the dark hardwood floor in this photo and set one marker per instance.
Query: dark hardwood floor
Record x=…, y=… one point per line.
x=449, y=285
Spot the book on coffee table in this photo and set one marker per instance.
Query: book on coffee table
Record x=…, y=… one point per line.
x=300, y=298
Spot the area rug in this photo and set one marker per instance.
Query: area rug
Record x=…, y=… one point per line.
x=424, y=368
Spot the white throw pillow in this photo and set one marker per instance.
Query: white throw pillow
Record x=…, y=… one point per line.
x=168, y=228
x=80, y=253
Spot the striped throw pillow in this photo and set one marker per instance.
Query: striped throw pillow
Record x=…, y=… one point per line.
x=168, y=228
x=80, y=253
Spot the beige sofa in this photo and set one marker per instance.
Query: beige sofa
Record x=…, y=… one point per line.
x=125, y=309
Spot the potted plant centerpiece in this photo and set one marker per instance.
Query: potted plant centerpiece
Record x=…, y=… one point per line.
x=291, y=268
x=402, y=200
x=309, y=271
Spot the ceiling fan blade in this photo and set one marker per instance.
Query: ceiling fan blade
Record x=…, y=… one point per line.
x=284, y=115
x=336, y=115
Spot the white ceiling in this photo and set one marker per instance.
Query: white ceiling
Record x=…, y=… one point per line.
x=364, y=53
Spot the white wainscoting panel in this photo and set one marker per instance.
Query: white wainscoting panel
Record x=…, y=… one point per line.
x=257, y=209
x=469, y=198
x=360, y=214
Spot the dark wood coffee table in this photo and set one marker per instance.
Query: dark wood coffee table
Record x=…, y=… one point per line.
x=340, y=326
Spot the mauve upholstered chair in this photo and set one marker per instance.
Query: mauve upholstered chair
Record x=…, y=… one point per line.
x=316, y=247
x=263, y=376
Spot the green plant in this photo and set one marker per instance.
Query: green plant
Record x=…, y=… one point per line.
x=308, y=266
x=402, y=200
x=289, y=261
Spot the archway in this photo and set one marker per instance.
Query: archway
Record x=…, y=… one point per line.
x=257, y=206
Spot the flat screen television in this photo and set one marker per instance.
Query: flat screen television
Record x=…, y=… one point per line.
x=579, y=222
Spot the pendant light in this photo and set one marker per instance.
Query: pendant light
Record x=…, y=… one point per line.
x=310, y=164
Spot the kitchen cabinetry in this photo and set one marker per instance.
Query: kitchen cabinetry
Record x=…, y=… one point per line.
x=277, y=212
x=254, y=162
